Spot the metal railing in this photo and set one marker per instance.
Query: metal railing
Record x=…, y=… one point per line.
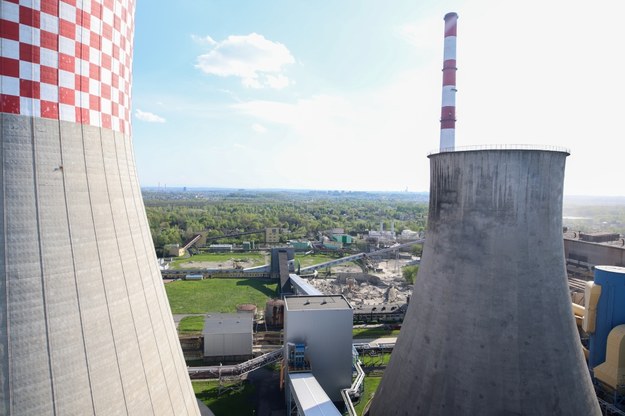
x=608, y=409
x=550, y=148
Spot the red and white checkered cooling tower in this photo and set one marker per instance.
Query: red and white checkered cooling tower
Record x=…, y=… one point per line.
x=85, y=326
x=448, y=105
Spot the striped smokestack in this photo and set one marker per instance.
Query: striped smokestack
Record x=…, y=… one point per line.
x=448, y=106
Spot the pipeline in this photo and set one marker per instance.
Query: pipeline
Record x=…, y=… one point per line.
x=238, y=370
x=353, y=390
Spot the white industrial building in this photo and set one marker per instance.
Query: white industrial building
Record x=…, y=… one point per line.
x=228, y=337
x=323, y=324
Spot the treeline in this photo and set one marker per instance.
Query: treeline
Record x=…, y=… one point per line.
x=597, y=217
x=172, y=220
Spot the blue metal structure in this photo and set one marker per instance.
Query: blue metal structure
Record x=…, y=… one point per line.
x=610, y=310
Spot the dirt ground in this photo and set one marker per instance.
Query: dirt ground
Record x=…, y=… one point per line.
x=391, y=288
x=228, y=264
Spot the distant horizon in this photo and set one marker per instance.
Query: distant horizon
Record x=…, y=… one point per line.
x=228, y=188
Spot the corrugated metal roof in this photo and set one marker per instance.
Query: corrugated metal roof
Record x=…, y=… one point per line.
x=329, y=302
x=310, y=397
x=228, y=323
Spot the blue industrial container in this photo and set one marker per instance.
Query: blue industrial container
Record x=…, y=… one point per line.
x=610, y=310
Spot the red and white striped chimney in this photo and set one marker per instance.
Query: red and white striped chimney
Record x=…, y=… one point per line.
x=448, y=106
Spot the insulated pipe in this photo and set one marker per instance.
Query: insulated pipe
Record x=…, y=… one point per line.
x=448, y=105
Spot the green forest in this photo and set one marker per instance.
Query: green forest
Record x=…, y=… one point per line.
x=175, y=216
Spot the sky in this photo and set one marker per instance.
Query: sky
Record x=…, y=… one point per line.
x=346, y=95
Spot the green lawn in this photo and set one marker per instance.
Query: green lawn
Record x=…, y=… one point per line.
x=218, y=295
x=378, y=360
x=371, y=385
x=236, y=401
x=191, y=324
x=375, y=332
x=258, y=258
x=312, y=259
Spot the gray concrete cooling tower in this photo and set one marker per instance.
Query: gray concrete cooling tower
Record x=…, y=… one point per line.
x=489, y=330
x=85, y=326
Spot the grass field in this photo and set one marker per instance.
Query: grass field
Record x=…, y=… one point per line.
x=312, y=259
x=238, y=400
x=371, y=385
x=375, y=332
x=218, y=295
x=378, y=360
x=191, y=324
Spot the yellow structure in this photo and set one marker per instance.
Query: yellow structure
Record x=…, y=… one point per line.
x=591, y=298
x=612, y=371
x=174, y=250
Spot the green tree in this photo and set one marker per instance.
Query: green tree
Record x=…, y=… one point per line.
x=410, y=273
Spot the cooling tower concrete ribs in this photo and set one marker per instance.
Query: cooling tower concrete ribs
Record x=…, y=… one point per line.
x=85, y=326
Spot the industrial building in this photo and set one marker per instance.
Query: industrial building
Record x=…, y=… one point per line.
x=272, y=235
x=220, y=248
x=587, y=254
x=85, y=326
x=322, y=324
x=228, y=337
x=603, y=320
x=308, y=395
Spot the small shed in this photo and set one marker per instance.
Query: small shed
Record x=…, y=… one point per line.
x=228, y=337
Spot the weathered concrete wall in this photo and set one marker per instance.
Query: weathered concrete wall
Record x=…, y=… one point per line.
x=489, y=329
x=85, y=326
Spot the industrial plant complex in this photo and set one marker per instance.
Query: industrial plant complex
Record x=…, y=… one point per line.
x=510, y=314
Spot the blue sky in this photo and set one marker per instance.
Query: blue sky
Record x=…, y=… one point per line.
x=346, y=94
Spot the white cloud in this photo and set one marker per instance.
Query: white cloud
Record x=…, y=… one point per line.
x=258, y=61
x=391, y=127
x=149, y=117
x=203, y=40
x=251, y=83
x=259, y=128
x=278, y=81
